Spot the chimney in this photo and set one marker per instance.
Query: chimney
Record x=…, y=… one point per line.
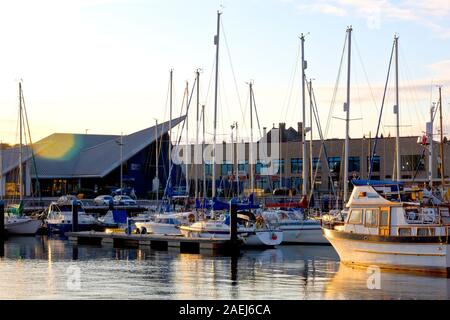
x=264, y=131
x=282, y=127
x=300, y=130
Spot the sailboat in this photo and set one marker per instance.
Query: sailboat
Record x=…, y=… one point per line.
x=290, y=217
x=16, y=223
x=391, y=226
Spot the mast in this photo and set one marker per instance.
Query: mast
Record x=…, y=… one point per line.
x=203, y=150
x=20, y=144
x=441, y=147
x=187, y=139
x=311, y=135
x=252, y=177
x=397, y=113
x=1, y=170
x=304, y=160
x=347, y=117
x=196, y=131
x=121, y=163
x=237, y=160
x=157, y=161
x=216, y=42
x=170, y=119
x=430, y=139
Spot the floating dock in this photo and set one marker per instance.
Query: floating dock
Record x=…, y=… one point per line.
x=162, y=242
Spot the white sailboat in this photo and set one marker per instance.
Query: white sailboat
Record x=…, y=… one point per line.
x=16, y=223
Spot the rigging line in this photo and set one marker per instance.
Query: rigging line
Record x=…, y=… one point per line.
x=181, y=133
x=381, y=113
x=365, y=74
x=288, y=96
x=322, y=147
x=38, y=188
x=232, y=68
x=256, y=112
x=336, y=86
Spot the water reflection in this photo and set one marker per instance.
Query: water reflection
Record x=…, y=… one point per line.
x=37, y=268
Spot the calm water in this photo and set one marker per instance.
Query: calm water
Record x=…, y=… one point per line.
x=41, y=268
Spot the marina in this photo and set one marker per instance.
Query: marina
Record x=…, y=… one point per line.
x=161, y=182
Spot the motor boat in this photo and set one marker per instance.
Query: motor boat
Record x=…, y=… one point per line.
x=59, y=217
x=165, y=223
x=391, y=228
x=296, y=229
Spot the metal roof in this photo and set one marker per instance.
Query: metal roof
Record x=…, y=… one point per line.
x=66, y=155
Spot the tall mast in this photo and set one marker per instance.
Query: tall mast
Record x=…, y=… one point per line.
x=197, y=121
x=304, y=161
x=430, y=139
x=203, y=150
x=1, y=170
x=237, y=160
x=216, y=42
x=441, y=147
x=311, y=135
x=252, y=181
x=20, y=144
x=188, y=154
x=157, y=160
x=170, y=119
x=347, y=117
x=397, y=113
x=121, y=163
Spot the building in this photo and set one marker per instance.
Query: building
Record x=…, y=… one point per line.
x=65, y=163
x=329, y=173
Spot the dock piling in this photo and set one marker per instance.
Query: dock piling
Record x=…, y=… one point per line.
x=233, y=222
x=2, y=229
x=74, y=216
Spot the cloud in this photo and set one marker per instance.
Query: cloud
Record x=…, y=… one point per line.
x=432, y=14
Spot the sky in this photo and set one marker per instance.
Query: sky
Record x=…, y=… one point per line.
x=102, y=66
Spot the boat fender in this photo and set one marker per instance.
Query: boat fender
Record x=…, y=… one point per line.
x=274, y=236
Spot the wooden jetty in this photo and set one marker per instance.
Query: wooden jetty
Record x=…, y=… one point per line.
x=184, y=244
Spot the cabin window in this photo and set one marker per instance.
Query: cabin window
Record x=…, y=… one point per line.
x=384, y=218
x=404, y=232
x=371, y=218
x=424, y=232
x=355, y=217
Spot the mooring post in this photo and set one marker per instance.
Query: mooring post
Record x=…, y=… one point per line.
x=233, y=223
x=129, y=221
x=74, y=215
x=2, y=229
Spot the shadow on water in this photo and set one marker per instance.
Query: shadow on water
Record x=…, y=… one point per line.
x=36, y=267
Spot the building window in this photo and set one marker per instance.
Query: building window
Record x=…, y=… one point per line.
x=208, y=168
x=296, y=165
x=227, y=168
x=353, y=164
x=316, y=164
x=334, y=163
x=279, y=163
x=375, y=165
x=412, y=162
x=296, y=183
x=260, y=165
x=262, y=183
x=243, y=166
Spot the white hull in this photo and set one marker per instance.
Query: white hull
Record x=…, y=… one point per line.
x=403, y=256
x=158, y=228
x=303, y=234
x=264, y=238
x=22, y=226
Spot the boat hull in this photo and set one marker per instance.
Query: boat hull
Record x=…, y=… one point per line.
x=264, y=238
x=306, y=233
x=23, y=227
x=429, y=254
x=61, y=228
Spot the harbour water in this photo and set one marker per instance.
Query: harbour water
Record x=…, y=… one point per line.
x=43, y=268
